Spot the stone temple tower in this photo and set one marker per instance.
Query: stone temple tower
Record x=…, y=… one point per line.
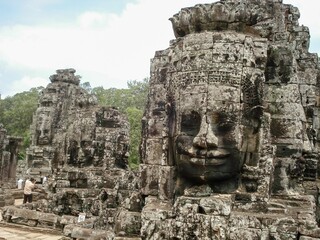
x=68, y=125
x=230, y=134
x=82, y=149
x=9, y=147
x=77, y=144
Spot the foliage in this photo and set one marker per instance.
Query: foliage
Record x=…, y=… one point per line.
x=134, y=96
x=134, y=118
x=16, y=113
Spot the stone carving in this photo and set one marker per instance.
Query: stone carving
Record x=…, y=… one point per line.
x=230, y=143
x=63, y=106
x=217, y=120
x=9, y=147
x=230, y=133
x=83, y=149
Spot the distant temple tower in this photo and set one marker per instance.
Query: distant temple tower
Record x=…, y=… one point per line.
x=59, y=106
x=83, y=148
x=9, y=147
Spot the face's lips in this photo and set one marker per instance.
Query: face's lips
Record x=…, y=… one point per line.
x=208, y=161
x=205, y=154
x=203, y=157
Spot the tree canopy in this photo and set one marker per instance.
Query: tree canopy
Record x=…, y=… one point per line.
x=16, y=114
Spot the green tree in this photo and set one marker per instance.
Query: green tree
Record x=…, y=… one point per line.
x=16, y=114
x=138, y=91
x=134, y=118
x=134, y=96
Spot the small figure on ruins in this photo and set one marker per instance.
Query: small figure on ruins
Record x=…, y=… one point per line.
x=29, y=186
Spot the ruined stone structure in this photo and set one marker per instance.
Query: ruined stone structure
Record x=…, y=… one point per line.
x=9, y=147
x=60, y=119
x=230, y=143
x=83, y=149
x=230, y=134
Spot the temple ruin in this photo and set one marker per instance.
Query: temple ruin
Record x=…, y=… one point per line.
x=82, y=149
x=230, y=138
x=230, y=134
x=9, y=147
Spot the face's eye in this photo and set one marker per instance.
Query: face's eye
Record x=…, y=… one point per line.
x=190, y=123
x=224, y=127
x=222, y=123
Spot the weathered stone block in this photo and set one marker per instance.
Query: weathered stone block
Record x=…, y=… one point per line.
x=245, y=233
x=166, y=182
x=129, y=223
x=241, y=220
x=155, y=209
x=154, y=151
x=217, y=205
x=133, y=202
x=149, y=179
x=111, y=214
x=67, y=219
x=307, y=238
x=62, y=183
x=127, y=238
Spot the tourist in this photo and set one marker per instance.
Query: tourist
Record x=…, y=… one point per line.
x=20, y=183
x=44, y=180
x=28, y=188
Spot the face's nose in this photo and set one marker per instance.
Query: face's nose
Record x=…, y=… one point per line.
x=41, y=133
x=80, y=153
x=205, y=137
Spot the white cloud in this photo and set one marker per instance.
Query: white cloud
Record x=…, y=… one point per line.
x=105, y=49
x=93, y=19
x=27, y=82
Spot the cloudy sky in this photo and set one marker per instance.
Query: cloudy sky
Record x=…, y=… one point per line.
x=108, y=42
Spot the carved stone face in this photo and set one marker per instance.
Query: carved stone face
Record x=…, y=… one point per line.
x=209, y=134
x=43, y=127
x=86, y=153
x=216, y=121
